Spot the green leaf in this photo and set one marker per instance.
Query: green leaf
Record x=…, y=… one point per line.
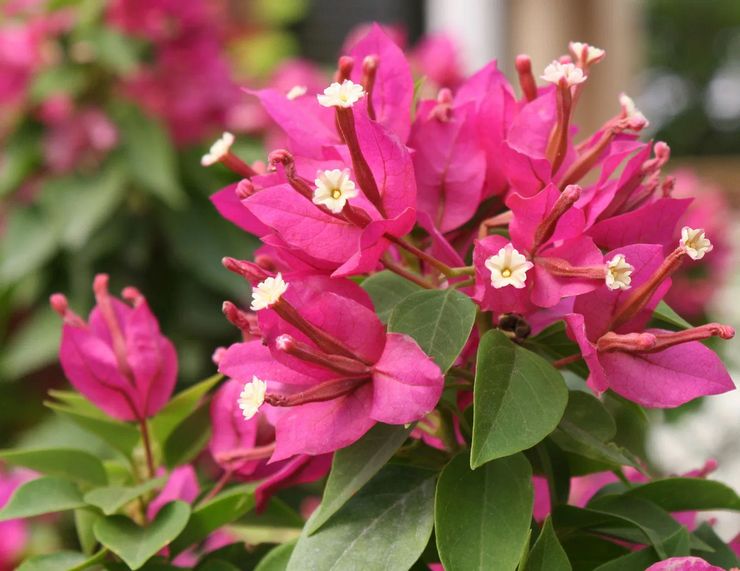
x=111, y=498
x=482, y=516
x=63, y=462
x=121, y=436
x=586, y=552
x=59, y=561
x=586, y=428
x=84, y=521
x=150, y=155
x=64, y=78
x=665, y=314
x=687, y=494
x=353, y=467
x=722, y=556
x=27, y=244
x=33, y=345
x=519, y=399
x=226, y=507
x=440, y=321
x=387, y=290
x=189, y=438
x=386, y=525
x=47, y=494
x=554, y=343
x=547, y=554
x=179, y=407
x=635, y=561
x=80, y=205
x=136, y=545
x=277, y=559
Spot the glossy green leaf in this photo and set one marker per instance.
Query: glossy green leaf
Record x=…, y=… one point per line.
x=553, y=343
x=189, y=438
x=112, y=498
x=352, y=468
x=665, y=314
x=519, y=399
x=547, y=554
x=387, y=290
x=136, y=545
x=482, y=516
x=586, y=552
x=226, y=507
x=179, y=407
x=47, y=494
x=722, y=554
x=386, y=525
x=635, y=561
x=63, y=462
x=277, y=559
x=688, y=494
x=440, y=321
x=119, y=435
x=62, y=560
x=587, y=428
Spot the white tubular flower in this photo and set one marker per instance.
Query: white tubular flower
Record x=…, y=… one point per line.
x=632, y=113
x=252, y=397
x=619, y=273
x=556, y=71
x=268, y=292
x=508, y=267
x=334, y=189
x=219, y=149
x=296, y=91
x=694, y=242
x=593, y=54
x=345, y=94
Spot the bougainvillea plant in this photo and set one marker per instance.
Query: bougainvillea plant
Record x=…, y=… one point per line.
x=455, y=323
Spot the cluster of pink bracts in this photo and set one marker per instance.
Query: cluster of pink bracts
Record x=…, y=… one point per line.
x=477, y=174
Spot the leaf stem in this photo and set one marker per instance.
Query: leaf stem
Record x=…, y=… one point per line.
x=146, y=439
x=404, y=273
x=448, y=271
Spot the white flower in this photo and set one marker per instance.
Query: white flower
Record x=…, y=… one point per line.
x=252, y=397
x=557, y=71
x=345, y=94
x=296, y=91
x=334, y=189
x=508, y=267
x=619, y=273
x=631, y=112
x=593, y=54
x=694, y=242
x=218, y=151
x=268, y=292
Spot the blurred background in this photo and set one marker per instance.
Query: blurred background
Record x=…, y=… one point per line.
x=107, y=106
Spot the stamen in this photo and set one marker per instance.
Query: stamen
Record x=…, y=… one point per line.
x=250, y=271
x=547, y=227
x=325, y=391
x=342, y=365
x=346, y=122
x=563, y=268
x=245, y=322
x=60, y=305
x=443, y=110
x=244, y=189
x=523, y=65
x=245, y=454
x=100, y=289
x=665, y=340
x=344, y=68
x=628, y=342
x=369, y=71
x=220, y=152
x=642, y=294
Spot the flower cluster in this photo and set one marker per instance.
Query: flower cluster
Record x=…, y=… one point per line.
x=557, y=229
